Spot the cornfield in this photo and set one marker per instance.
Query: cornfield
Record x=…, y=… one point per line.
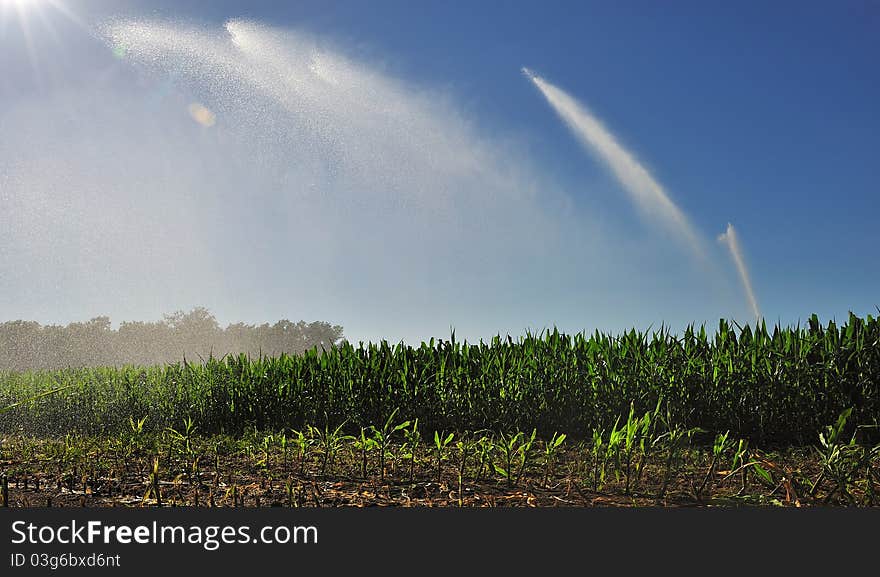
x=771, y=387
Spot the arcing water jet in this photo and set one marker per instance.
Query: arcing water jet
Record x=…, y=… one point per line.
x=647, y=194
x=730, y=238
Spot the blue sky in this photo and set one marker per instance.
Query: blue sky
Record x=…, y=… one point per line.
x=759, y=114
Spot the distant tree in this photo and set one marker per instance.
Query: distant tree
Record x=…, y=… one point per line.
x=89, y=343
x=19, y=344
x=194, y=335
x=196, y=332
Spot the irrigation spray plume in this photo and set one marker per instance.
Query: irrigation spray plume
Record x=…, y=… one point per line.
x=297, y=142
x=730, y=238
x=647, y=194
x=281, y=152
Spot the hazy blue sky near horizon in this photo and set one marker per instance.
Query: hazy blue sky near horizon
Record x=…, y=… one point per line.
x=113, y=201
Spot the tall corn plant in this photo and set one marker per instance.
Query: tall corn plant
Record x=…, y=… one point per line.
x=778, y=385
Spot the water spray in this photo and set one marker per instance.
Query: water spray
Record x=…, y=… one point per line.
x=730, y=238
x=645, y=192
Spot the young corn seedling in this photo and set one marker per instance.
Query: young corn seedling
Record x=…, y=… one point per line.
x=302, y=442
x=266, y=445
x=466, y=447
x=180, y=442
x=719, y=447
x=364, y=445
x=505, y=448
x=647, y=441
x=411, y=444
x=613, y=446
x=677, y=438
x=525, y=454
x=631, y=429
x=843, y=460
x=740, y=464
x=153, y=485
x=739, y=459
x=551, y=451
x=485, y=445
x=635, y=432
x=833, y=454
x=282, y=440
x=135, y=435
x=514, y=451
x=440, y=445
x=329, y=441
x=383, y=438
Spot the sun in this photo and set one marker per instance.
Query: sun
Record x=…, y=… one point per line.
x=22, y=5
x=28, y=9
x=34, y=18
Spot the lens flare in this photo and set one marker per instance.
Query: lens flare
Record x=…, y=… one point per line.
x=201, y=114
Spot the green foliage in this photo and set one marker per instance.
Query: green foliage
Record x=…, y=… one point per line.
x=843, y=460
x=513, y=451
x=552, y=448
x=383, y=437
x=441, y=442
x=776, y=386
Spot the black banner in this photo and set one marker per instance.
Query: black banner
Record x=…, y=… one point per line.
x=394, y=540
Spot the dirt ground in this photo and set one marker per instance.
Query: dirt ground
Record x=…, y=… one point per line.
x=573, y=480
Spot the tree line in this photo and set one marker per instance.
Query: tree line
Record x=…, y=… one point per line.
x=193, y=336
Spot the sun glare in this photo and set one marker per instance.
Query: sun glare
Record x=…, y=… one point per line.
x=36, y=20
x=29, y=9
x=22, y=5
